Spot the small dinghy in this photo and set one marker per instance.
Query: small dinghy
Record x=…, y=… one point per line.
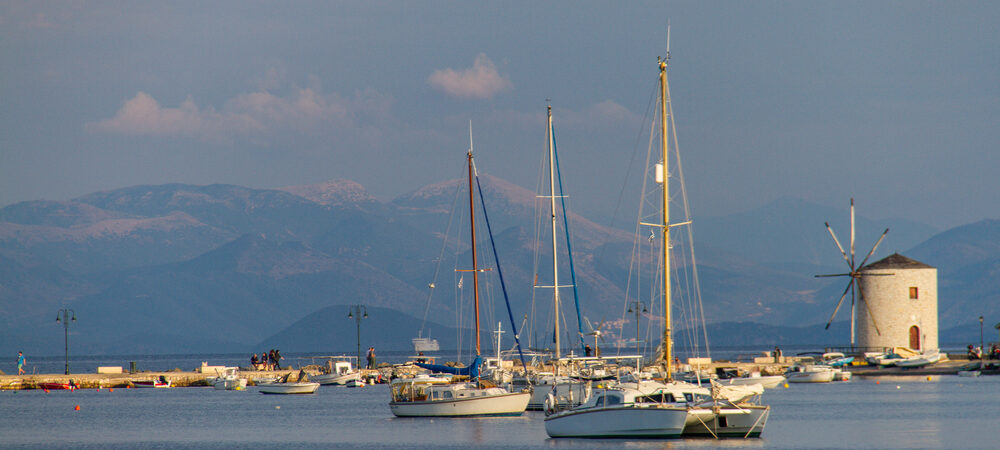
x=58, y=386
x=355, y=383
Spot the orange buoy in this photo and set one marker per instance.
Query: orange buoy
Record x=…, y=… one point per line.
x=77, y=407
x=46, y=391
x=878, y=382
x=111, y=389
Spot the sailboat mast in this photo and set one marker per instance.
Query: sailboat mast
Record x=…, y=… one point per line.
x=552, y=216
x=667, y=343
x=472, y=227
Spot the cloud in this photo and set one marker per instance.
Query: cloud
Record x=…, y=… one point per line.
x=249, y=114
x=481, y=81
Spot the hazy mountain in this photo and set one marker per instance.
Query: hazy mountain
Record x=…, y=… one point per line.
x=181, y=268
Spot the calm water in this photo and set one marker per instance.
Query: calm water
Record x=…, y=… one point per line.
x=947, y=412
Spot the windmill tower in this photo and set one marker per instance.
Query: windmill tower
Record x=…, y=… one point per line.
x=855, y=285
x=905, y=304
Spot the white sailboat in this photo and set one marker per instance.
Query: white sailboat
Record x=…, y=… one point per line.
x=436, y=397
x=669, y=408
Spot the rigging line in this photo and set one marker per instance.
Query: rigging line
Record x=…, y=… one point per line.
x=636, y=260
x=510, y=314
x=536, y=243
x=690, y=231
x=444, y=245
x=631, y=162
x=569, y=245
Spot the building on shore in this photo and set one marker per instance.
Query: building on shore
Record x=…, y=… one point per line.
x=901, y=294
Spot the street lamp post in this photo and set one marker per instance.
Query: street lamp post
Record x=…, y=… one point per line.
x=358, y=312
x=982, y=347
x=64, y=316
x=637, y=306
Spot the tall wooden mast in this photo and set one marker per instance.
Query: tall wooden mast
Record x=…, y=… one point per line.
x=664, y=176
x=472, y=226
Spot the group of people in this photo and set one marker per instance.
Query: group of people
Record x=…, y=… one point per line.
x=977, y=352
x=267, y=361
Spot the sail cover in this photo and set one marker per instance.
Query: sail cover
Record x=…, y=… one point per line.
x=472, y=371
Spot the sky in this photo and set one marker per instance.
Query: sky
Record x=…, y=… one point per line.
x=894, y=103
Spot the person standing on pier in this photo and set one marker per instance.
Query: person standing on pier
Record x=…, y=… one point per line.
x=371, y=357
x=20, y=363
x=277, y=359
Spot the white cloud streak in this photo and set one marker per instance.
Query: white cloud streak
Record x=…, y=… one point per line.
x=481, y=81
x=249, y=114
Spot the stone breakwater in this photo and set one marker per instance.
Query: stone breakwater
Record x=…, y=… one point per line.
x=176, y=378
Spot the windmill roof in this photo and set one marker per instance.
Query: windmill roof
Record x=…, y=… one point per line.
x=897, y=261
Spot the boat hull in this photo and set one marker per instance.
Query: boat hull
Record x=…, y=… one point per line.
x=511, y=404
x=56, y=386
x=230, y=384
x=769, y=382
x=745, y=421
x=336, y=378
x=151, y=384
x=288, y=388
x=810, y=377
x=618, y=422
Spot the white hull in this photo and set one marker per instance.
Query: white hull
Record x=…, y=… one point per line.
x=335, y=378
x=288, y=388
x=824, y=376
x=919, y=361
x=506, y=404
x=744, y=421
x=618, y=422
x=768, y=382
x=230, y=384
x=356, y=383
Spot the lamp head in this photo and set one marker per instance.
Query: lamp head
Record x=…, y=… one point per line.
x=350, y=315
x=366, y=314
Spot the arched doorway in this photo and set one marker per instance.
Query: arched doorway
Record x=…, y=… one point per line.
x=915, y=337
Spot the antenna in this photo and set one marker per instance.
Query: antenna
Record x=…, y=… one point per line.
x=668, y=41
x=470, y=137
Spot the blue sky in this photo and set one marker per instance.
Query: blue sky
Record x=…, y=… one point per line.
x=894, y=103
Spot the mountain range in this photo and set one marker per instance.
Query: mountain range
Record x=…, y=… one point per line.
x=183, y=268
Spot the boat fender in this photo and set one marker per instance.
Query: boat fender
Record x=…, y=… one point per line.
x=550, y=404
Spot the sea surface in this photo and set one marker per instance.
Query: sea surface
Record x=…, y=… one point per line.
x=883, y=412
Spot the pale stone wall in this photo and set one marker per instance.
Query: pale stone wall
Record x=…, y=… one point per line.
x=894, y=311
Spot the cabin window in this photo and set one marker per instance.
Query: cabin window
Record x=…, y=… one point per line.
x=447, y=394
x=614, y=400
x=600, y=401
x=688, y=397
x=913, y=292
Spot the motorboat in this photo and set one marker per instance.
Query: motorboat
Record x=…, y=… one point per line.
x=439, y=397
x=162, y=382
x=920, y=360
x=342, y=372
x=620, y=412
x=719, y=411
x=971, y=370
x=767, y=381
x=809, y=373
x=566, y=391
x=354, y=383
x=836, y=359
x=306, y=387
x=229, y=380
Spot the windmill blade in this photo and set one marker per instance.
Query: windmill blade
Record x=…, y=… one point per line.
x=879, y=241
x=839, y=247
x=588, y=329
x=869, y=309
x=841, y=302
x=833, y=275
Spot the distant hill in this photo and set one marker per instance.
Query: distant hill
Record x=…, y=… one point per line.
x=180, y=268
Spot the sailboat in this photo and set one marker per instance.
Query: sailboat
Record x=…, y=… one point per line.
x=671, y=408
x=429, y=396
